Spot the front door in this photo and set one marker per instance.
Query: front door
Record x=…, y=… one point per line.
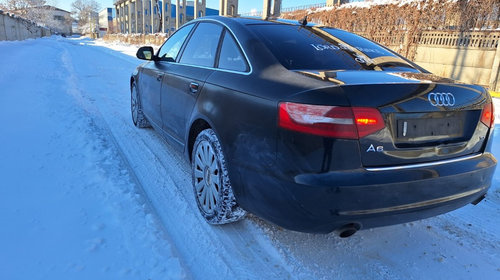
x=184, y=80
x=150, y=84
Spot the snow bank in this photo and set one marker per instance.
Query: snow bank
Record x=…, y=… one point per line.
x=496, y=103
x=69, y=203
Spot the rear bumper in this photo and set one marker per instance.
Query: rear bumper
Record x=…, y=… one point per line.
x=371, y=198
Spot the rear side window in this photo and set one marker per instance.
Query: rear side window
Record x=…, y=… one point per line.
x=202, y=46
x=231, y=57
x=172, y=46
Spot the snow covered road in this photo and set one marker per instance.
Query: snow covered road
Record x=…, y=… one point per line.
x=86, y=195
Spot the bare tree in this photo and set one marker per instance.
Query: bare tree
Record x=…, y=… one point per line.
x=84, y=10
x=22, y=5
x=27, y=9
x=34, y=10
x=407, y=21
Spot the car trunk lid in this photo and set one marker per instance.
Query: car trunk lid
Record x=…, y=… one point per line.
x=426, y=118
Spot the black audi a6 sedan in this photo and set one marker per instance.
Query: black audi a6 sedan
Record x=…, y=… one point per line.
x=313, y=128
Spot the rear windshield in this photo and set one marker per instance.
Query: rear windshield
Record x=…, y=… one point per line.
x=324, y=49
x=369, y=48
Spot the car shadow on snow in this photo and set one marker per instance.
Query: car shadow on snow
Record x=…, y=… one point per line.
x=455, y=243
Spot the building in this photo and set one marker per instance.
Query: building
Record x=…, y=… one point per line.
x=57, y=20
x=61, y=20
x=106, y=21
x=74, y=27
x=147, y=16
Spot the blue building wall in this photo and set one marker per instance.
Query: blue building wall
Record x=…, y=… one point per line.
x=189, y=11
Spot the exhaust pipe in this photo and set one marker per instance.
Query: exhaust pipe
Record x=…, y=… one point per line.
x=348, y=230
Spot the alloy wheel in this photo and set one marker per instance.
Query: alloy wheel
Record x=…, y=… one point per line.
x=207, y=177
x=133, y=105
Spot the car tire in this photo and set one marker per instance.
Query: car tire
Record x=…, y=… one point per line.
x=212, y=188
x=136, y=108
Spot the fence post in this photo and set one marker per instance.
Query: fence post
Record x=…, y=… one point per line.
x=405, y=51
x=494, y=76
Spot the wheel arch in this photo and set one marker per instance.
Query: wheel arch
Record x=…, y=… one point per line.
x=134, y=76
x=196, y=127
x=133, y=79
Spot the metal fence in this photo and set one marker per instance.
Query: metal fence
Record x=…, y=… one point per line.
x=473, y=39
x=483, y=40
x=303, y=7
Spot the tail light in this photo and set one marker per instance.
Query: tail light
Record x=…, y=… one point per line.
x=488, y=116
x=330, y=121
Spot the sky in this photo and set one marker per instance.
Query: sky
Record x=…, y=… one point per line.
x=244, y=6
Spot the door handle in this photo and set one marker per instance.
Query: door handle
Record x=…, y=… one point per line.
x=159, y=77
x=193, y=87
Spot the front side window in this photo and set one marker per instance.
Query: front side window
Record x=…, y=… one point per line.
x=202, y=46
x=231, y=57
x=171, y=48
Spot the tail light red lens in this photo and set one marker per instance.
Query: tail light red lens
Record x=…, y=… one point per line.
x=488, y=116
x=368, y=120
x=330, y=121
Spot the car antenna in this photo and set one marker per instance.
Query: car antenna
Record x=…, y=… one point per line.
x=303, y=21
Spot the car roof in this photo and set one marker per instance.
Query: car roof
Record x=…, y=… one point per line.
x=252, y=20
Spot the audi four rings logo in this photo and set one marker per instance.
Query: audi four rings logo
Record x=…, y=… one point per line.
x=441, y=99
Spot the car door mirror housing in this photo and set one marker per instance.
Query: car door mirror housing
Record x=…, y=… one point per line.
x=146, y=53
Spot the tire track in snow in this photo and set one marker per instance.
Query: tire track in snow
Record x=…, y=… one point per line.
x=101, y=128
x=231, y=250
x=67, y=182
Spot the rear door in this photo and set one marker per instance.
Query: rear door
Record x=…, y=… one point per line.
x=184, y=81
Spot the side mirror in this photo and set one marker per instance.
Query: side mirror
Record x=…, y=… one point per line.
x=146, y=53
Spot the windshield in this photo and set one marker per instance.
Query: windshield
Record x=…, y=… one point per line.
x=326, y=49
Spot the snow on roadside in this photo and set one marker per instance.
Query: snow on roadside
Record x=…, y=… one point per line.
x=118, y=46
x=496, y=104
x=69, y=207
x=125, y=48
